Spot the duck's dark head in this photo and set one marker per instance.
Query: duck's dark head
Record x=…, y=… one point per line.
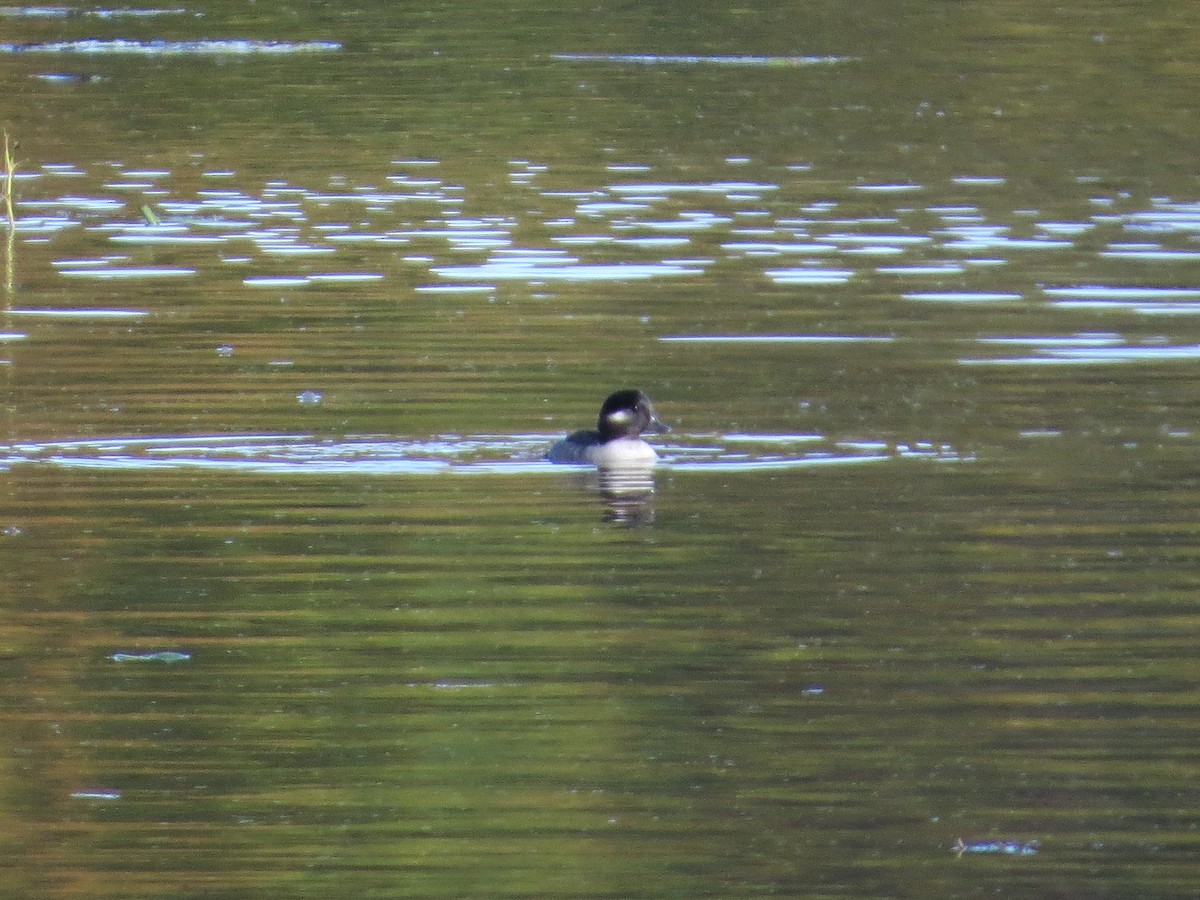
x=628, y=414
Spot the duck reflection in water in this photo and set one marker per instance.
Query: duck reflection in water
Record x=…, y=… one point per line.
x=624, y=462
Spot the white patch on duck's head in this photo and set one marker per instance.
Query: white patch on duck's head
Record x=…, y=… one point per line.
x=620, y=416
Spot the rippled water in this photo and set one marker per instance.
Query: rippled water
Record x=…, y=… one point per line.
x=294, y=304
x=463, y=454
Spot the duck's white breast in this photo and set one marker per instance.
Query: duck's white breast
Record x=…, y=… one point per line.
x=623, y=452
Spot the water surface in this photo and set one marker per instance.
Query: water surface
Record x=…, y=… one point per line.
x=294, y=304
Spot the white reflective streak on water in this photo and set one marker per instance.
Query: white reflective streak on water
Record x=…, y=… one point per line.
x=640, y=224
x=459, y=454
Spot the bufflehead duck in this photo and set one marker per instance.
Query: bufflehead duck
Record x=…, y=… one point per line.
x=624, y=417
